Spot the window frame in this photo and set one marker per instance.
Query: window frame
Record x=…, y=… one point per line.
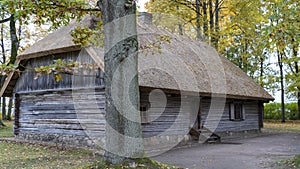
x=235, y=115
x=145, y=119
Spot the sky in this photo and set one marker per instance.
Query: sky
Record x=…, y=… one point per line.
x=141, y=4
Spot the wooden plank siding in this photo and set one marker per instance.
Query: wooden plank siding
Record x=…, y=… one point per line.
x=62, y=112
x=75, y=107
x=27, y=83
x=171, y=118
x=225, y=124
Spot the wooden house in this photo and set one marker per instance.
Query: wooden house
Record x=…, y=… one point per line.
x=187, y=88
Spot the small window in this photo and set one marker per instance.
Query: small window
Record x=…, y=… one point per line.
x=237, y=111
x=144, y=115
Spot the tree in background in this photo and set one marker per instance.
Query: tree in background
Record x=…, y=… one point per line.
x=283, y=32
x=199, y=19
x=15, y=18
x=249, y=33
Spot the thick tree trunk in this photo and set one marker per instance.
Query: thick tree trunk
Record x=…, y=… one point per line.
x=123, y=123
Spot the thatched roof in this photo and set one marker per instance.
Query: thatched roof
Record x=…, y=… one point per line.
x=184, y=64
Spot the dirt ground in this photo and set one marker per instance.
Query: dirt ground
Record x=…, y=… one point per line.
x=251, y=153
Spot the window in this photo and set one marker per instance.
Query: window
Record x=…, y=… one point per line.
x=144, y=115
x=237, y=111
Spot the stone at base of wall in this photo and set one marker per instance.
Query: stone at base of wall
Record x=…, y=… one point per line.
x=230, y=136
x=153, y=145
x=59, y=140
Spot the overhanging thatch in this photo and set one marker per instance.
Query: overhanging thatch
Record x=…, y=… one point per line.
x=184, y=64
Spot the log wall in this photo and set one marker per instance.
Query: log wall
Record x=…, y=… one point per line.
x=62, y=116
x=174, y=117
x=224, y=124
x=26, y=82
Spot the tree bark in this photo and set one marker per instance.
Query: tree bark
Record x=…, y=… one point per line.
x=217, y=10
x=123, y=122
x=2, y=45
x=205, y=21
x=298, y=91
x=1, y=123
x=261, y=71
x=198, y=25
x=180, y=29
x=3, y=108
x=14, y=39
x=295, y=54
x=279, y=55
x=211, y=22
x=10, y=103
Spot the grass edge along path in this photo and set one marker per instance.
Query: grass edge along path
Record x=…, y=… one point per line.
x=31, y=156
x=288, y=126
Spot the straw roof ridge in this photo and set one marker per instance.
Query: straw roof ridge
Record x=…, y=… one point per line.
x=184, y=64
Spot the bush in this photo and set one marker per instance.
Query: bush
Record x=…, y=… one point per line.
x=273, y=111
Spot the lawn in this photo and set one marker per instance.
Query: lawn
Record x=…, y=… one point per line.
x=31, y=156
x=7, y=130
x=287, y=126
x=293, y=163
x=14, y=155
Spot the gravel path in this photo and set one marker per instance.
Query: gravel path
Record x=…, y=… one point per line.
x=252, y=153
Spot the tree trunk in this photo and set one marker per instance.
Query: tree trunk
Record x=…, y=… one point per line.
x=295, y=54
x=123, y=122
x=198, y=25
x=261, y=76
x=14, y=40
x=298, y=94
x=279, y=55
x=3, y=108
x=180, y=25
x=205, y=21
x=211, y=22
x=2, y=45
x=298, y=91
x=1, y=123
x=217, y=9
x=10, y=103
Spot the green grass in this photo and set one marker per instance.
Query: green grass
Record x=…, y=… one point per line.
x=287, y=126
x=14, y=155
x=7, y=130
x=17, y=155
x=293, y=163
x=32, y=156
x=144, y=163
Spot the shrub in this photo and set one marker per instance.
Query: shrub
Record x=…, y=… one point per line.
x=273, y=111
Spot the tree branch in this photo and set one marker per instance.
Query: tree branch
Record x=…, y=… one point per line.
x=4, y=20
